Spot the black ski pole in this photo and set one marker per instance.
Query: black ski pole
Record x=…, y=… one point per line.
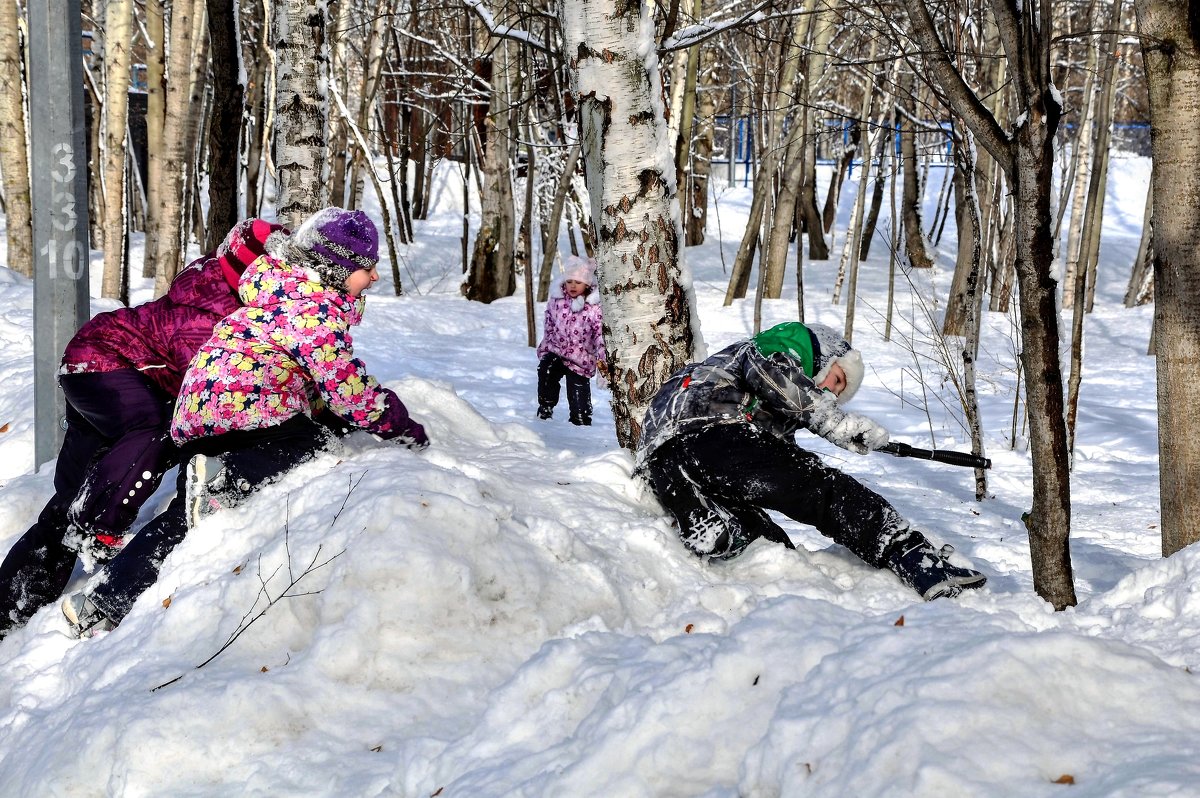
x=949, y=458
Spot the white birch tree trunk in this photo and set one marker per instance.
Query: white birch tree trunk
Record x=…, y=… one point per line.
x=155, y=116
x=645, y=293
x=176, y=154
x=14, y=155
x=1171, y=53
x=118, y=26
x=301, y=107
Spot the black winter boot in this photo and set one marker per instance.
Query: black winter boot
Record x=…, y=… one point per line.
x=928, y=570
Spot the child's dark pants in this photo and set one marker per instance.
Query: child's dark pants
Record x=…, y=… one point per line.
x=114, y=454
x=551, y=371
x=251, y=457
x=717, y=481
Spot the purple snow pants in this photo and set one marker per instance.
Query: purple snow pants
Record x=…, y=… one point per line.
x=116, y=448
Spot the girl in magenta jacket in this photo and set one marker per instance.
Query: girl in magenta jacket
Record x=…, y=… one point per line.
x=272, y=388
x=572, y=342
x=120, y=374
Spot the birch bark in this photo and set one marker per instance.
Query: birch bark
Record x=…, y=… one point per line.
x=301, y=107
x=172, y=226
x=118, y=28
x=14, y=155
x=1171, y=53
x=644, y=291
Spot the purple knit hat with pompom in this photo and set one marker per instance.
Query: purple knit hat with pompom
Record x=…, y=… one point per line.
x=341, y=242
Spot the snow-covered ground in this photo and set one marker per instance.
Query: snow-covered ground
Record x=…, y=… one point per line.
x=509, y=613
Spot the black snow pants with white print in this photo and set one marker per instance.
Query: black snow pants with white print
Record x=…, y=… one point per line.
x=718, y=480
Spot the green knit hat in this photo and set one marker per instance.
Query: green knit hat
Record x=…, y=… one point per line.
x=817, y=348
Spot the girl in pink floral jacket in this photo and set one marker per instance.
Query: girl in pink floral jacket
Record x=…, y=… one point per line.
x=271, y=388
x=572, y=343
x=286, y=358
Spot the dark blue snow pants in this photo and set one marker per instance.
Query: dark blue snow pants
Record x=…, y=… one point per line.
x=116, y=449
x=251, y=457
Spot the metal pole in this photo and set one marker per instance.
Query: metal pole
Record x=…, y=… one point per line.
x=60, y=215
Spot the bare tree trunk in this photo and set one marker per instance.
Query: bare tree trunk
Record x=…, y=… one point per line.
x=373, y=52
x=964, y=160
x=695, y=206
x=177, y=123
x=339, y=151
x=527, y=243
x=1028, y=157
x=389, y=237
x=910, y=200
x=829, y=211
x=419, y=147
x=198, y=123
x=257, y=64
x=225, y=123
x=301, y=106
x=778, y=230
x=1049, y=521
x=687, y=118
x=854, y=226
x=555, y=220
x=155, y=142
x=493, y=272
x=764, y=186
x=1141, y=278
x=14, y=159
x=970, y=244
x=645, y=297
x=1073, y=186
x=881, y=179
x=118, y=32
x=1171, y=53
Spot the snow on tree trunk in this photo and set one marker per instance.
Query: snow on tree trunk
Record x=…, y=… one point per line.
x=301, y=107
x=1027, y=156
x=644, y=291
x=1172, y=56
x=118, y=29
x=14, y=163
x=1049, y=519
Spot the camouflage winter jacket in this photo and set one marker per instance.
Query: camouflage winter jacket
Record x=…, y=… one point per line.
x=749, y=382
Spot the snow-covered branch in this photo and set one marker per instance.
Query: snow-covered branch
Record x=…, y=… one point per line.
x=500, y=31
x=702, y=31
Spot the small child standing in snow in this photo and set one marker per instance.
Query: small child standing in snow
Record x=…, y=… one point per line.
x=572, y=343
x=272, y=388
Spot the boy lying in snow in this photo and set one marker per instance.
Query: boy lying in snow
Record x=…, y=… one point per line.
x=718, y=448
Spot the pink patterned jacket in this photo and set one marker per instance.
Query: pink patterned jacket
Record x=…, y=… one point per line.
x=574, y=330
x=283, y=353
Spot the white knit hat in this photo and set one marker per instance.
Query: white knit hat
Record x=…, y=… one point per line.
x=833, y=348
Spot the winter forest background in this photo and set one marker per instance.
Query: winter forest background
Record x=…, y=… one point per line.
x=999, y=204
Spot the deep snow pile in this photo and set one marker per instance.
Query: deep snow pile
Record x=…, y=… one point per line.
x=509, y=613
